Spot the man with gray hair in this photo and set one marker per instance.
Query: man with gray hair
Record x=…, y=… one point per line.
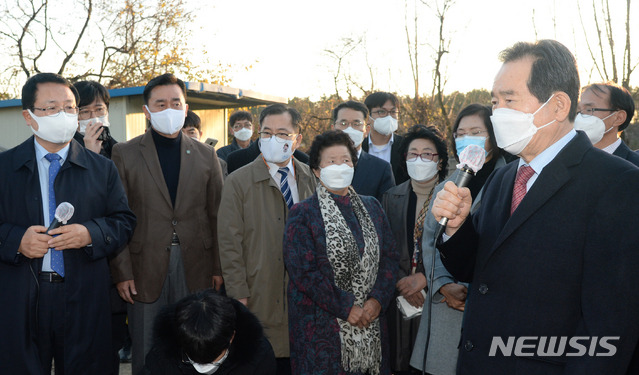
x=554, y=242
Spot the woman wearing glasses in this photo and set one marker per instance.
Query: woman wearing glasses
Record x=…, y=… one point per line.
x=93, y=118
x=472, y=126
x=406, y=205
x=341, y=261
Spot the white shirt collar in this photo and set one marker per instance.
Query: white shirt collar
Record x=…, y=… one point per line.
x=546, y=156
x=613, y=146
x=274, y=168
x=41, y=152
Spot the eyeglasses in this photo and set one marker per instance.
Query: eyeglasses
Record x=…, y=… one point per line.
x=425, y=156
x=591, y=111
x=473, y=132
x=384, y=113
x=342, y=125
x=237, y=126
x=86, y=113
x=279, y=137
x=54, y=111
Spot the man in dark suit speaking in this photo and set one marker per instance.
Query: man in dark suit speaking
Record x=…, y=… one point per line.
x=552, y=253
x=55, y=290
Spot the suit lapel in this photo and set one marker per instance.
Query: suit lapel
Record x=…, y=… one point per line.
x=552, y=178
x=150, y=156
x=187, y=163
x=25, y=158
x=622, y=151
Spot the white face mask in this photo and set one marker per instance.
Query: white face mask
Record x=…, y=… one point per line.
x=169, y=121
x=385, y=125
x=337, y=177
x=420, y=170
x=243, y=134
x=58, y=128
x=275, y=152
x=104, y=120
x=357, y=136
x=515, y=129
x=594, y=127
x=208, y=368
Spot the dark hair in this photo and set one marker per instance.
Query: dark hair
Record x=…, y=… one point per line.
x=30, y=88
x=278, y=109
x=163, y=80
x=553, y=69
x=90, y=91
x=432, y=134
x=378, y=99
x=192, y=120
x=205, y=325
x=239, y=116
x=620, y=99
x=327, y=139
x=351, y=104
x=484, y=112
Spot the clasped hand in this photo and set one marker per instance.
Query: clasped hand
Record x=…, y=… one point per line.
x=362, y=317
x=35, y=242
x=410, y=287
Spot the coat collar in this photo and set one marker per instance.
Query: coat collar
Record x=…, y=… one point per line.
x=554, y=176
x=25, y=155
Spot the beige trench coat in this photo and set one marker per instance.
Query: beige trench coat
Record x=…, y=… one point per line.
x=251, y=223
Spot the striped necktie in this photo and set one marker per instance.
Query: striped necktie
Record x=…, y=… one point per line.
x=524, y=174
x=286, y=190
x=57, y=259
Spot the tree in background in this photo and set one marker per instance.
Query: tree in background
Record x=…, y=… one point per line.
x=120, y=43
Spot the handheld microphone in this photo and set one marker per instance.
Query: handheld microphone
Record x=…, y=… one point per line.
x=63, y=213
x=471, y=159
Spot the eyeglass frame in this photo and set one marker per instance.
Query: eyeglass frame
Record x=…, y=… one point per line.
x=340, y=125
x=91, y=112
x=63, y=109
x=471, y=133
x=278, y=136
x=593, y=110
x=433, y=154
x=237, y=127
x=387, y=112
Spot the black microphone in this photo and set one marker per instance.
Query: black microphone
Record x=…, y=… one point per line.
x=63, y=213
x=471, y=159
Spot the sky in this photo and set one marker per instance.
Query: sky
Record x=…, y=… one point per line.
x=285, y=40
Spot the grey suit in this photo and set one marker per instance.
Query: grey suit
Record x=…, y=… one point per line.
x=445, y=327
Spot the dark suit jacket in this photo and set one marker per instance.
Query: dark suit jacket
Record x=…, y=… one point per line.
x=624, y=152
x=373, y=176
x=194, y=216
x=396, y=159
x=238, y=159
x=91, y=184
x=556, y=267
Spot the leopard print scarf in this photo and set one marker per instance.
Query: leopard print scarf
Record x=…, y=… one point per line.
x=361, y=347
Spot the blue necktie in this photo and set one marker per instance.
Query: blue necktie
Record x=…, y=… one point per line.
x=57, y=259
x=286, y=190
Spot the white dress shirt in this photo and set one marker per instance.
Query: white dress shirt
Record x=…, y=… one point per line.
x=43, y=173
x=273, y=170
x=382, y=152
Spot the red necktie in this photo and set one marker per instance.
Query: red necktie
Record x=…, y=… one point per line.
x=524, y=174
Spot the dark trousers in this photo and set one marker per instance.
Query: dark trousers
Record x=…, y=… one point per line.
x=51, y=312
x=283, y=366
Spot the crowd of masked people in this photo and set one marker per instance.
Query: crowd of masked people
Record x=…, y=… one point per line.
x=259, y=258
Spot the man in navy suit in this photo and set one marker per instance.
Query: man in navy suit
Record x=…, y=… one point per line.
x=552, y=252
x=604, y=111
x=55, y=286
x=373, y=176
x=382, y=142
